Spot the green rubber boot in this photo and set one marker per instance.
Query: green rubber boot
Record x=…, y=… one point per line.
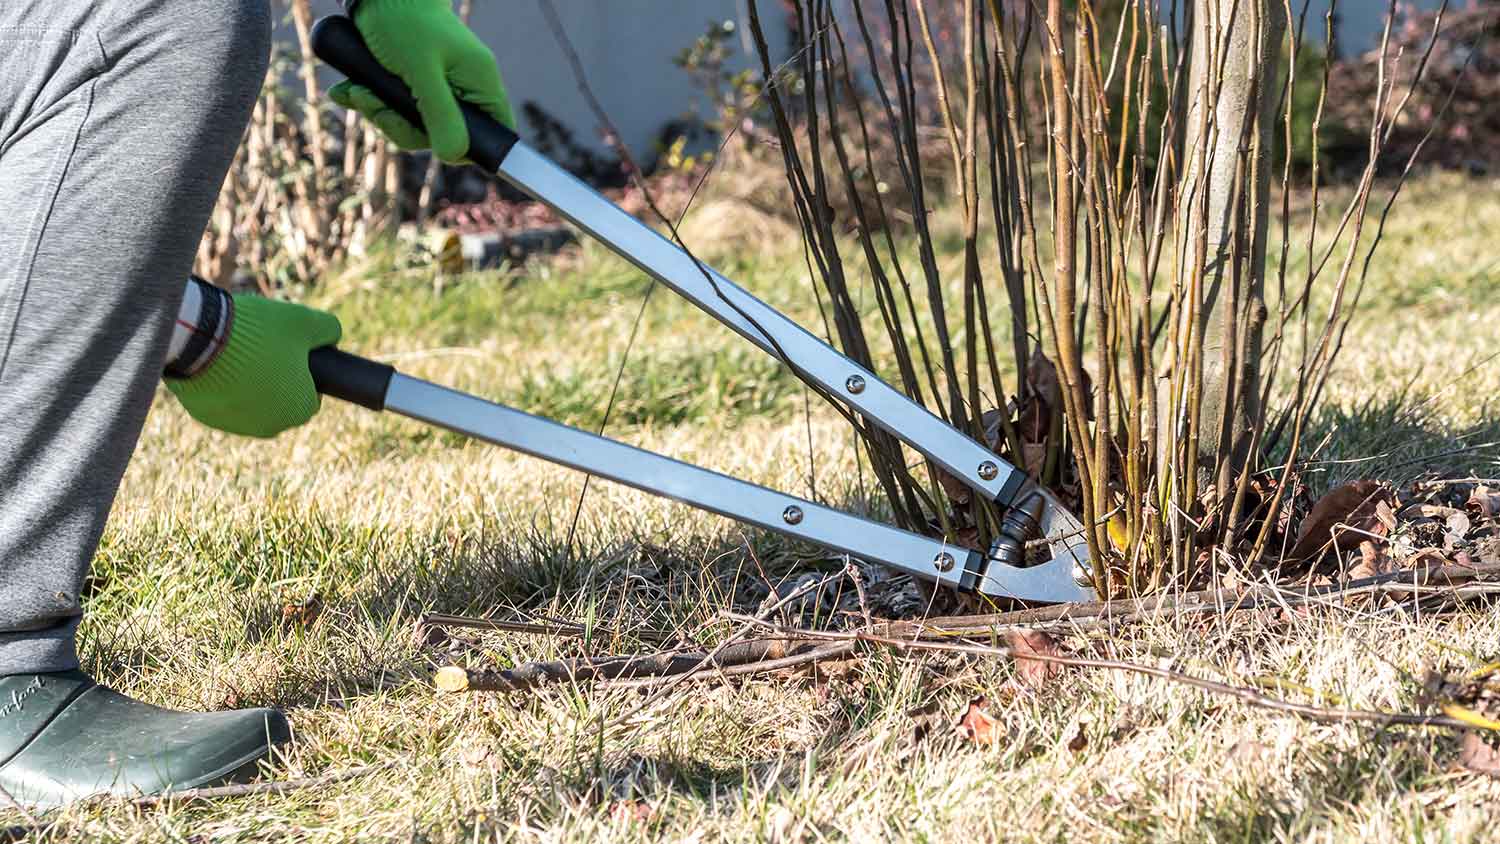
x=64, y=737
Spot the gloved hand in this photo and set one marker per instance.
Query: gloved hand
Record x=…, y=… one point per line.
x=424, y=43
x=259, y=385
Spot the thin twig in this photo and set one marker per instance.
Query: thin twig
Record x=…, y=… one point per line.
x=1322, y=715
x=1250, y=696
x=569, y=629
x=765, y=613
x=1219, y=601
x=852, y=571
x=669, y=665
x=11, y=801
x=737, y=656
x=807, y=657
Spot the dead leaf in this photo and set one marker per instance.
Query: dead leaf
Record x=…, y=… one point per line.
x=477, y=757
x=1372, y=561
x=1248, y=752
x=967, y=538
x=231, y=698
x=1034, y=458
x=303, y=613
x=1385, y=515
x=1126, y=725
x=957, y=491
x=1039, y=400
x=1429, y=556
x=1477, y=752
x=625, y=811
x=924, y=719
x=1008, y=693
x=1043, y=380
x=1341, y=519
x=837, y=670
x=990, y=421
x=425, y=635
x=1079, y=741
x=1484, y=502
x=1427, y=511
x=1457, y=529
x=979, y=726
x=1033, y=672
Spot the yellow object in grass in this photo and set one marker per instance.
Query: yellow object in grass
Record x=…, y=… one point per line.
x=1470, y=717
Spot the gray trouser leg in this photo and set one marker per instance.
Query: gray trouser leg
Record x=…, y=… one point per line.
x=118, y=121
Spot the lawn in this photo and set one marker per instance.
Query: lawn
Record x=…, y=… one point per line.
x=290, y=573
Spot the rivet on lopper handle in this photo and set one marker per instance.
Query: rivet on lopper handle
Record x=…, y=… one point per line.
x=336, y=41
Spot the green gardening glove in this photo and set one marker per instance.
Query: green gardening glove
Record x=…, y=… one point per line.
x=259, y=385
x=424, y=43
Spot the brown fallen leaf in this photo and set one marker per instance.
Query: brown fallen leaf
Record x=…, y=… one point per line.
x=424, y=635
x=979, y=726
x=925, y=719
x=625, y=811
x=1484, y=503
x=1079, y=741
x=477, y=757
x=1427, y=511
x=1476, y=693
x=957, y=491
x=1385, y=513
x=1477, y=752
x=1248, y=752
x=231, y=698
x=1127, y=724
x=967, y=538
x=1372, y=561
x=1034, y=458
x=836, y=670
x=1034, y=414
x=1044, y=382
x=303, y=613
x=1034, y=672
x=1341, y=519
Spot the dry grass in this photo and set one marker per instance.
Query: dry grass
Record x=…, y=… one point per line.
x=383, y=519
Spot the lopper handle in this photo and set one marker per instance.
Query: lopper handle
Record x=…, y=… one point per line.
x=336, y=41
x=350, y=377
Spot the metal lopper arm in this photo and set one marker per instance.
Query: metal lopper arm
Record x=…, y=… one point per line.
x=379, y=387
x=497, y=148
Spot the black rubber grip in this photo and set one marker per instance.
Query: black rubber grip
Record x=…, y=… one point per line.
x=338, y=42
x=350, y=377
x=1012, y=488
